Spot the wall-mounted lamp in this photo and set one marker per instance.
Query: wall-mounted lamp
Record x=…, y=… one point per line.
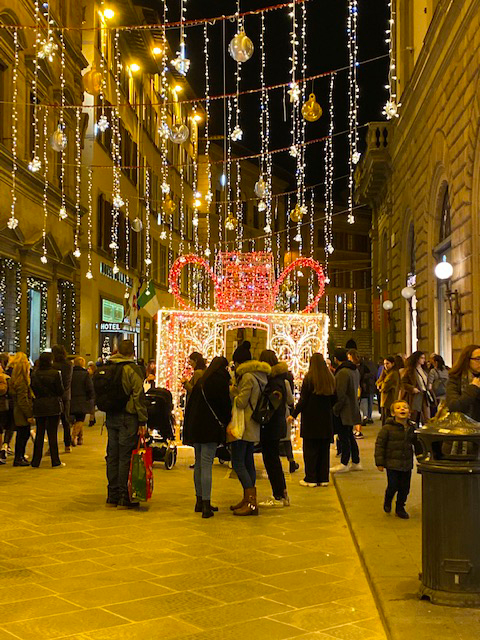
x=408, y=293
x=444, y=271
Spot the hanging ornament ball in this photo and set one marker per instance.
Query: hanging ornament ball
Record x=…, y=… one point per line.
x=92, y=81
x=260, y=188
x=58, y=140
x=296, y=214
x=137, y=225
x=168, y=206
x=179, y=133
x=231, y=223
x=311, y=110
x=241, y=47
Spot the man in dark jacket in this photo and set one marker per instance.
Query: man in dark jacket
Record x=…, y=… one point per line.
x=61, y=363
x=347, y=382
x=394, y=452
x=124, y=426
x=82, y=399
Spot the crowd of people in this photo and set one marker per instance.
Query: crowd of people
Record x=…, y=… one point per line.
x=248, y=404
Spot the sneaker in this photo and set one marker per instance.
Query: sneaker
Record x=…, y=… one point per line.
x=21, y=463
x=340, y=468
x=401, y=513
x=294, y=466
x=323, y=484
x=273, y=502
x=125, y=503
x=356, y=466
x=358, y=435
x=9, y=451
x=58, y=466
x=3, y=456
x=307, y=484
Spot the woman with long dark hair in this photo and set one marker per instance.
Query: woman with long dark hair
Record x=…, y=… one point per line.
x=463, y=387
x=438, y=378
x=414, y=385
x=208, y=413
x=22, y=397
x=316, y=402
x=388, y=385
x=198, y=364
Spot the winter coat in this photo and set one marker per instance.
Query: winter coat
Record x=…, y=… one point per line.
x=347, y=381
x=132, y=383
x=463, y=396
x=82, y=396
x=200, y=424
x=394, y=446
x=367, y=379
x=388, y=385
x=48, y=390
x=317, y=414
x=22, y=398
x=276, y=429
x=189, y=384
x=252, y=377
x=4, y=386
x=408, y=383
x=66, y=369
x=438, y=379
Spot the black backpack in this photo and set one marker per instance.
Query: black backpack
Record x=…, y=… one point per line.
x=268, y=403
x=109, y=392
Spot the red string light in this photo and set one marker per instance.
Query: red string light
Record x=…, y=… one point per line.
x=308, y=263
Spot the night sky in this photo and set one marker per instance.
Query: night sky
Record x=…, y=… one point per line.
x=327, y=50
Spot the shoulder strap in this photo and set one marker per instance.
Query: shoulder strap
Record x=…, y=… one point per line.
x=262, y=389
x=211, y=409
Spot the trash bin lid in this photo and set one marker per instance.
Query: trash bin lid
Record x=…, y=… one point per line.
x=452, y=424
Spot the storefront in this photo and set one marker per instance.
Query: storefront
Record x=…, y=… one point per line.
x=114, y=328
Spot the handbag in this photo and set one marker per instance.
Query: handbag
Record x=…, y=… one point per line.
x=140, y=477
x=430, y=397
x=236, y=428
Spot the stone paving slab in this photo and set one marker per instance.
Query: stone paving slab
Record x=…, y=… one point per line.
x=72, y=568
x=391, y=553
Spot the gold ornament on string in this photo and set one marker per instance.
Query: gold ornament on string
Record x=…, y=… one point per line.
x=231, y=223
x=241, y=47
x=58, y=139
x=311, y=110
x=92, y=81
x=168, y=206
x=297, y=213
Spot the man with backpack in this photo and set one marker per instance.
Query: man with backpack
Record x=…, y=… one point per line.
x=119, y=392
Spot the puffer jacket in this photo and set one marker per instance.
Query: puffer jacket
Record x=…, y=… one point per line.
x=252, y=377
x=276, y=429
x=394, y=446
x=463, y=396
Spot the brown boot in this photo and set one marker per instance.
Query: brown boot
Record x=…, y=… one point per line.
x=250, y=507
x=234, y=507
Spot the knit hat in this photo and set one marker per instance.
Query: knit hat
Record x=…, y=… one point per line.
x=242, y=353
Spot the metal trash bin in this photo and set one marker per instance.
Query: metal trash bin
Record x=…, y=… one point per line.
x=450, y=468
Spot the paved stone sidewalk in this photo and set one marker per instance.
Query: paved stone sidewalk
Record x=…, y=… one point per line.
x=70, y=567
x=391, y=550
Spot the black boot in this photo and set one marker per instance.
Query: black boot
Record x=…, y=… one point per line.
x=401, y=513
x=198, y=505
x=207, y=510
x=387, y=505
x=293, y=466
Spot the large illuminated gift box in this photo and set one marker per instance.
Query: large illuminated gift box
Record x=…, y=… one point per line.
x=245, y=294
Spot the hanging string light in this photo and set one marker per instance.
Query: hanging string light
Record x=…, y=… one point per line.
x=390, y=110
x=126, y=294
x=230, y=221
x=237, y=133
x=116, y=152
x=62, y=213
x=335, y=312
x=311, y=244
x=148, y=257
x=263, y=187
x=294, y=91
x=345, y=311
x=181, y=63
x=89, y=273
x=102, y=122
x=239, y=205
x=12, y=221
x=35, y=163
x=48, y=46
x=182, y=207
x=301, y=130
x=78, y=178
x=209, y=194
x=354, y=324
x=329, y=177
x=353, y=103
x=44, y=258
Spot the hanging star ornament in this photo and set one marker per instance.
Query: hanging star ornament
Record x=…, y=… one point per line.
x=102, y=124
x=390, y=110
x=293, y=151
x=12, y=223
x=294, y=92
x=35, y=164
x=237, y=134
x=62, y=213
x=355, y=157
x=181, y=64
x=48, y=48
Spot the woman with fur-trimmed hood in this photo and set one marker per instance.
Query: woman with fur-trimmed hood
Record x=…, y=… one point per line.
x=276, y=429
x=251, y=379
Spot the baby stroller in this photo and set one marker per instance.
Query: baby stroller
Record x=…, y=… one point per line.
x=160, y=426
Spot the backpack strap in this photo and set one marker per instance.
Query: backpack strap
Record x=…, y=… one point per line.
x=262, y=389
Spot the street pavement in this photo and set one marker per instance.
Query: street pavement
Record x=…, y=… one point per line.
x=72, y=568
x=391, y=553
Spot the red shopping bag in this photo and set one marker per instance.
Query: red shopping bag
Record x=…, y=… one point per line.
x=140, y=477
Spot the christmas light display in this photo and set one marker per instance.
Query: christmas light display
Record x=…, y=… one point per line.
x=294, y=337
x=89, y=274
x=8, y=342
x=62, y=213
x=329, y=173
x=209, y=194
x=43, y=258
x=40, y=286
x=78, y=178
x=148, y=257
x=181, y=63
x=353, y=102
x=35, y=163
x=390, y=110
x=12, y=221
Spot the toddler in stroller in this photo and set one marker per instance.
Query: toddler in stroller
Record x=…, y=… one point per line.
x=161, y=436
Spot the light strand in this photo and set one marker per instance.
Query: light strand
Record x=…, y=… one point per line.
x=13, y=221
x=35, y=163
x=354, y=324
x=345, y=305
x=209, y=194
x=89, y=274
x=78, y=178
x=127, y=248
x=116, y=152
x=43, y=258
x=390, y=110
x=352, y=102
x=148, y=256
x=62, y=213
x=329, y=179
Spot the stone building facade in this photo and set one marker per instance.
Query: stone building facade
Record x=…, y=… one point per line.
x=420, y=175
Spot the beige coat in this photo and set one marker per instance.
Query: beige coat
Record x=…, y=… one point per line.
x=252, y=377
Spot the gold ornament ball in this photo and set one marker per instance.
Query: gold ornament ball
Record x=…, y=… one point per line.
x=241, y=47
x=296, y=214
x=58, y=139
x=92, y=81
x=168, y=206
x=179, y=133
x=231, y=223
x=311, y=110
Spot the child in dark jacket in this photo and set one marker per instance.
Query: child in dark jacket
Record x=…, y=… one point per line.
x=394, y=452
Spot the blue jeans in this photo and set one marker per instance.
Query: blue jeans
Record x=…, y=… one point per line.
x=243, y=463
x=202, y=474
x=366, y=407
x=122, y=439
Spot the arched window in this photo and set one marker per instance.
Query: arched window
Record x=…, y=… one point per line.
x=445, y=222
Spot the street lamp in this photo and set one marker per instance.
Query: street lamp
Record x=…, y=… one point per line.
x=408, y=293
x=443, y=270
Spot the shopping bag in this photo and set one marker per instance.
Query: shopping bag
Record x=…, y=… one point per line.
x=236, y=428
x=140, y=478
